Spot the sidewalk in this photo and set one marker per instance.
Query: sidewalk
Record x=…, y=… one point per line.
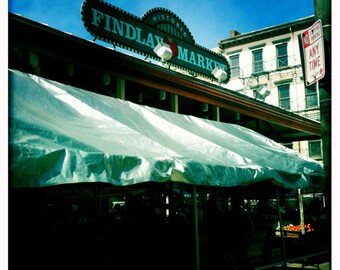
x=322, y=266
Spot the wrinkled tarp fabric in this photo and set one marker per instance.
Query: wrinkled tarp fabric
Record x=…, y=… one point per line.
x=61, y=134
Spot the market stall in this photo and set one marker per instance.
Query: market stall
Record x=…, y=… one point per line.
x=90, y=158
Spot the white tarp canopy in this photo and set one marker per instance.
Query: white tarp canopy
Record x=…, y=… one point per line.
x=61, y=134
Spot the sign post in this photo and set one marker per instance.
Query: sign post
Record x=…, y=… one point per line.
x=313, y=53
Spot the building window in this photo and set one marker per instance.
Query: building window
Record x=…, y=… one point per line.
x=311, y=97
x=284, y=98
x=235, y=65
x=257, y=61
x=281, y=55
x=314, y=148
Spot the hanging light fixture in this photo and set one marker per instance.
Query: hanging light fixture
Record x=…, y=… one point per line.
x=262, y=92
x=220, y=74
x=163, y=51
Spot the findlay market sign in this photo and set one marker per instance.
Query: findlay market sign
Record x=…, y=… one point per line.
x=113, y=25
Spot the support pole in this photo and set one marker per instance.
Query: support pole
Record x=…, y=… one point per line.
x=323, y=12
x=174, y=103
x=281, y=230
x=197, y=248
x=302, y=215
x=216, y=113
x=120, y=88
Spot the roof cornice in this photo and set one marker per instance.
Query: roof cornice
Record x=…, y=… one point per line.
x=267, y=32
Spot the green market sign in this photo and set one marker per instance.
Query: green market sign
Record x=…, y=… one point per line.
x=141, y=35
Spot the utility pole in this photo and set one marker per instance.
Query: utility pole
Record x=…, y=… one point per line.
x=323, y=12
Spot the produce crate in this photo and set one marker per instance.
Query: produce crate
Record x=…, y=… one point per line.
x=292, y=234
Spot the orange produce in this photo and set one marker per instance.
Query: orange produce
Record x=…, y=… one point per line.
x=298, y=228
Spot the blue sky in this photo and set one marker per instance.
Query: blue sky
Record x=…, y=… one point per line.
x=208, y=20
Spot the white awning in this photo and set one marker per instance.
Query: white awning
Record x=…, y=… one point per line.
x=62, y=134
